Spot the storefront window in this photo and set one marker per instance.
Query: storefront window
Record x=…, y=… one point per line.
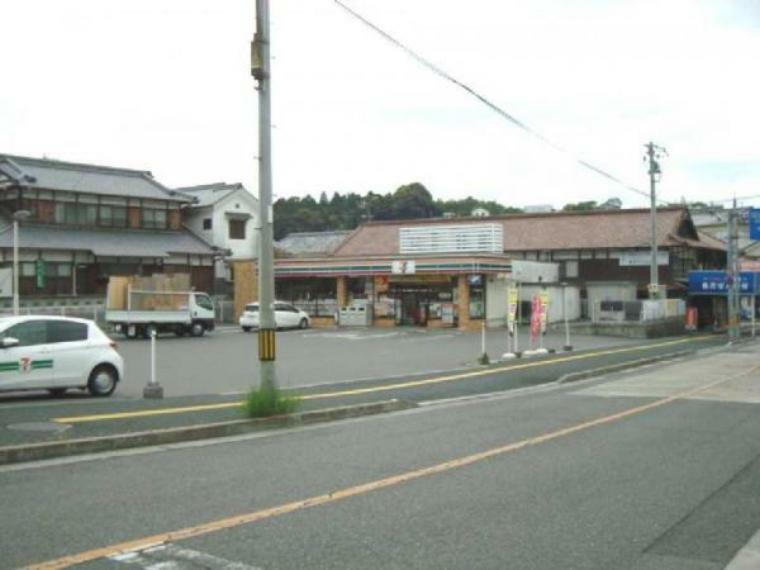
x=477, y=296
x=317, y=296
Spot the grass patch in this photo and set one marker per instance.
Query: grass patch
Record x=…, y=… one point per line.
x=265, y=402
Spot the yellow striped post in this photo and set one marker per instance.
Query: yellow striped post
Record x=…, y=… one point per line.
x=267, y=347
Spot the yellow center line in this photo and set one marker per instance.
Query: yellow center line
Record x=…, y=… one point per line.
x=373, y=389
x=364, y=488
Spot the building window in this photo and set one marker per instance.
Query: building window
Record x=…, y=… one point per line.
x=237, y=229
x=206, y=223
x=113, y=216
x=71, y=213
x=154, y=219
x=571, y=269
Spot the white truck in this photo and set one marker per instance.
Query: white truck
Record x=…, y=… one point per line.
x=138, y=312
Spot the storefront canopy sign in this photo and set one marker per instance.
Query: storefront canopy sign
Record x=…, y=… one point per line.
x=719, y=282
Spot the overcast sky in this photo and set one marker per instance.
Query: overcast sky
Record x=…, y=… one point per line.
x=164, y=85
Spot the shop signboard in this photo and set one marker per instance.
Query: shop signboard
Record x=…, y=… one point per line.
x=719, y=282
x=754, y=223
x=642, y=258
x=403, y=267
x=512, y=302
x=40, y=273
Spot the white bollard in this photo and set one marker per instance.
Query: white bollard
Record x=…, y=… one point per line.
x=483, y=358
x=153, y=389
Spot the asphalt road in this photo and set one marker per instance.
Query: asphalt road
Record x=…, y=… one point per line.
x=26, y=421
x=654, y=469
x=226, y=360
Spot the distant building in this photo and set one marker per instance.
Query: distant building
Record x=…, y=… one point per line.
x=225, y=216
x=89, y=222
x=454, y=272
x=714, y=221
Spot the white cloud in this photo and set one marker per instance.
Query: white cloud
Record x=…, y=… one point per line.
x=165, y=86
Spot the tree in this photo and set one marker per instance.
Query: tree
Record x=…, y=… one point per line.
x=348, y=210
x=580, y=206
x=413, y=201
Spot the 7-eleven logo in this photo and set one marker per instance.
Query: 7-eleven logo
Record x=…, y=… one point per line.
x=25, y=364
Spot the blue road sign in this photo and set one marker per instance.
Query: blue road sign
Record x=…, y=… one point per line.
x=754, y=223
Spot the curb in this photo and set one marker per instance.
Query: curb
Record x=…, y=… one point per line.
x=593, y=372
x=49, y=450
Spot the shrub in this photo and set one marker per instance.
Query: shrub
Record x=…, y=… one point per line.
x=265, y=402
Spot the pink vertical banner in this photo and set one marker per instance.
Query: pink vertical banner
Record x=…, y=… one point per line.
x=535, y=320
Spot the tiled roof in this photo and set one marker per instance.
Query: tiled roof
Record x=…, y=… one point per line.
x=531, y=232
x=111, y=242
x=311, y=244
x=90, y=179
x=210, y=194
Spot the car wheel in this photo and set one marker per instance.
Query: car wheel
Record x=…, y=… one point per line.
x=102, y=381
x=57, y=392
x=247, y=329
x=304, y=324
x=197, y=329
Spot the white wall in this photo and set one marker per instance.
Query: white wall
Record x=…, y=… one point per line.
x=193, y=219
x=241, y=202
x=530, y=271
x=496, y=301
x=555, y=300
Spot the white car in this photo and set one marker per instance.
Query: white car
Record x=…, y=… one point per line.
x=57, y=353
x=285, y=316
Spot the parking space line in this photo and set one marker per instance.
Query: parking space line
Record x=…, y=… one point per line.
x=375, y=389
x=371, y=486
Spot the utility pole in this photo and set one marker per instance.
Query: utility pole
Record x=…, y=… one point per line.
x=734, y=277
x=653, y=155
x=260, y=69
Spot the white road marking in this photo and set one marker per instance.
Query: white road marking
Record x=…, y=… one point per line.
x=171, y=557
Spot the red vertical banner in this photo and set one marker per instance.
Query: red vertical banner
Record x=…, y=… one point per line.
x=691, y=318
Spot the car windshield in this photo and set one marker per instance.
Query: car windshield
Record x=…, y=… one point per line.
x=252, y=308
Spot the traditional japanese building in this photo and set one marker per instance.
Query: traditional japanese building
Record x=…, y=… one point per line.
x=81, y=223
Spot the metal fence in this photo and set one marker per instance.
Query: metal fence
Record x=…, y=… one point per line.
x=637, y=311
x=96, y=313
x=318, y=307
x=224, y=311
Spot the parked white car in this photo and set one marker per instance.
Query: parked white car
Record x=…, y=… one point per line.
x=285, y=316
x=57, y=353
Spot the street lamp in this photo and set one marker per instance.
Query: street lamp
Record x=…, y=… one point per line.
x=18, y=217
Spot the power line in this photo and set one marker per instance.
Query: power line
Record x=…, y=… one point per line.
x=493, y=106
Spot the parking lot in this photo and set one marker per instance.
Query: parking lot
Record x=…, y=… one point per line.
x=225, y=361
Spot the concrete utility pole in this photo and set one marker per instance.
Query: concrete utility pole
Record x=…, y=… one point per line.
x=653, y=154
x=734, y=277
x=261, y=72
